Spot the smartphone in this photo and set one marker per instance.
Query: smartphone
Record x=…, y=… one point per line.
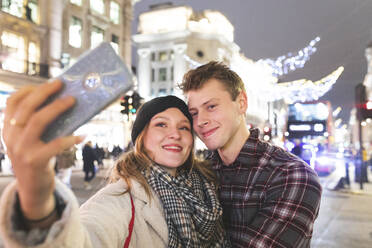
x=97, y=79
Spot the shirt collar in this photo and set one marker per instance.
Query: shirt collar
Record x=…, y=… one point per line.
x=250, y=147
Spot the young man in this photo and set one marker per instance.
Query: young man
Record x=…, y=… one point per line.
x=270, y=197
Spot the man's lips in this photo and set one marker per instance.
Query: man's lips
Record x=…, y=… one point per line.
x=209, y=132
x=173, y=148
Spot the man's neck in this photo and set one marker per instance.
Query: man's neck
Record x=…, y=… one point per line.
x=231, y=150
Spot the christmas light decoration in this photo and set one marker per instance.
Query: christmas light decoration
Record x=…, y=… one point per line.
x=287, y=63
x=301, y=90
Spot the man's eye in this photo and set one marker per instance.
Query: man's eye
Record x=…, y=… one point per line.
x=212, y=106
x=193, y=114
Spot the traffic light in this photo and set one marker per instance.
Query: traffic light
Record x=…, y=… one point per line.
x=125, y=103
x=364, y=106
x=267, y=133
x=137, y=101
x=366, y=111
x=131, y=103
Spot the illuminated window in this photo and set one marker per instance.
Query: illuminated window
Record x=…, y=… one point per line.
x=13, y=7
x=98, y=6
x=162, y=92
x=32, y=11
x=163, y=74
x=96, y=37
x=33, y=58
x=77, y=2
x=14, y=48
x=163, y=56
x=114, y=12
x=74, y=38
x=115, y=43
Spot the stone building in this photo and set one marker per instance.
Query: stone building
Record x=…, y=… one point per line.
x=41, y=37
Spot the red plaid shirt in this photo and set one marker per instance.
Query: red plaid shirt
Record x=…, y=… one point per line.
x=270, y=197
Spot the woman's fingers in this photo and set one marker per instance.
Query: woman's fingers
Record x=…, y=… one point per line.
x=59, y=145
x=33, y=100
x=14, y=99
x=43, y=117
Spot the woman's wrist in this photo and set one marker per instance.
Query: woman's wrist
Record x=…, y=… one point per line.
x=42, y=221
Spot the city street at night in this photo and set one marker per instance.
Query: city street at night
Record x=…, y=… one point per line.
x=280, y=91
x=344, y=221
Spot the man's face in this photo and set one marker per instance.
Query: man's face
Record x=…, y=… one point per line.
x=215, y=115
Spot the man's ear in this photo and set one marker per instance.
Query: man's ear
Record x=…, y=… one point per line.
x=242, y=100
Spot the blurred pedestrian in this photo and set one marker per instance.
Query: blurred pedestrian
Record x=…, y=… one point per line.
x=297, y=149
x=89, y=156
x=99, y=154
x=158, y=192
x=64, y=163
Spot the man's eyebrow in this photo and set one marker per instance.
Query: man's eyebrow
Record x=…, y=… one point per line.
x=204, y=103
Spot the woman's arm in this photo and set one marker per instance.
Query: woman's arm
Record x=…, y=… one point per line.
x=24, y=123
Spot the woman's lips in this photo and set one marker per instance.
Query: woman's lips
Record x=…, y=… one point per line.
x=173, y=148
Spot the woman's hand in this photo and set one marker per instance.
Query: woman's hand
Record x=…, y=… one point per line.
x=24, y=124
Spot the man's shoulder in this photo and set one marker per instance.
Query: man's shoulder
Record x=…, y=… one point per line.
x=283, y=160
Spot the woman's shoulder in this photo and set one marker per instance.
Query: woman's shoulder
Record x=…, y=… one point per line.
x=117, y=192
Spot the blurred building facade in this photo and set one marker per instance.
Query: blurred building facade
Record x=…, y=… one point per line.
x=173, y=39
x=41, y=37
x=366, y=124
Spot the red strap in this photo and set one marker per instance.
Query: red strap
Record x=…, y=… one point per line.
x=131, y=223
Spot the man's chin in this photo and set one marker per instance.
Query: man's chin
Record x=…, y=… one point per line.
x=210, y=145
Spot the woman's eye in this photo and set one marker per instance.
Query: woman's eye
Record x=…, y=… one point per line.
x=185, y=128
x=160, y=124
x=193, y=114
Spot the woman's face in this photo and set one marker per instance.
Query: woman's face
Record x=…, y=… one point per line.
x=168, y=139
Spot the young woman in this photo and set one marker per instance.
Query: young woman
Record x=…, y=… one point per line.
x=159, y=194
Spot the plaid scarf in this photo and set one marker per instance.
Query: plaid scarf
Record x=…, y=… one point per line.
x=192, y=210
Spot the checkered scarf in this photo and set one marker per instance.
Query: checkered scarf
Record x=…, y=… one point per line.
x=192, y=210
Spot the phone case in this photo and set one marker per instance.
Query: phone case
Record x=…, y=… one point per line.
x=97, y=79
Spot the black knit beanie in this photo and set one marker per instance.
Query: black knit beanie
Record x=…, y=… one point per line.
x=153, y=107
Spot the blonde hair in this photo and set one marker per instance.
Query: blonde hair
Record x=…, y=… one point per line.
x=131, y=164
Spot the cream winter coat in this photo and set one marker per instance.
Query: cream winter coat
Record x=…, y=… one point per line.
x=102, y=221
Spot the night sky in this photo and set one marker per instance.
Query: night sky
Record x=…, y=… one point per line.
x=270, y=28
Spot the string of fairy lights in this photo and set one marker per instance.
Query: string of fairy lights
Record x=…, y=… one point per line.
x=286, y=63
x=302, y=90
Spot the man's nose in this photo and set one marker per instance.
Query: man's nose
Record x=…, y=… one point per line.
x=202, y=122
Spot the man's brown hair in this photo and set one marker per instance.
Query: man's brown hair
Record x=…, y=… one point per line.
x=196, y=78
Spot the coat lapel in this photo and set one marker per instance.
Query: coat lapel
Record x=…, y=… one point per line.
x=151, y=211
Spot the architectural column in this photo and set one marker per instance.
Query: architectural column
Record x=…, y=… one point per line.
x=144, y=72
x=368, y=78
x=180, y=66
x=55, y=19
x=126, y=44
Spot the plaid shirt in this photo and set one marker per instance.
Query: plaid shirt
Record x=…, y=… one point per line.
x=270, y=197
